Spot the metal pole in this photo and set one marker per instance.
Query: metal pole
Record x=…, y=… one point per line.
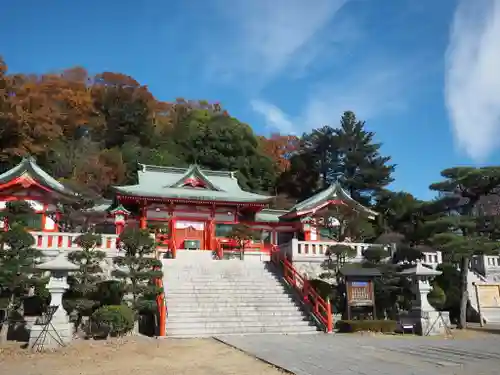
x=481, y=323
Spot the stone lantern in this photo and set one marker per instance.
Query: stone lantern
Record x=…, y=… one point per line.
x=429, y=321
x=60, y=328
x=120, y=215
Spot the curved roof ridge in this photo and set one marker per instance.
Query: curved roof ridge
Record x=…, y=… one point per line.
x=194, y=169
x=183, y=170
x=160, y=168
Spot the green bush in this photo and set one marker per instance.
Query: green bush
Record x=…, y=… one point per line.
x=349, y=326
x=437, y=297
x=116, y=320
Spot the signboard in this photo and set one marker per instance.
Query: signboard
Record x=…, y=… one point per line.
x=488, y=295
x=360, y=293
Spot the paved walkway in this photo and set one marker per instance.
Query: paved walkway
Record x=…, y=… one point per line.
x=349, y=355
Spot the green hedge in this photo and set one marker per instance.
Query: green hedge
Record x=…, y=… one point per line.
x=115, y=320
x=348, y=326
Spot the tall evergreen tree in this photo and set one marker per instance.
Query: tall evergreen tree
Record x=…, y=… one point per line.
x=347, y=153
x=358, y=160
x=301, y=179
x=17, y=258
x=464, y=232
x=82, y=295
x=136, y=268
x=321, y=145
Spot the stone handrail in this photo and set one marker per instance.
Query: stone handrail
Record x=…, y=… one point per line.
x=318, y=249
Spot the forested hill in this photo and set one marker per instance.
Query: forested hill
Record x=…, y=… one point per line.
x=91, y=131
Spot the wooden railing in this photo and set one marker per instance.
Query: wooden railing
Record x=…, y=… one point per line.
x=320, y=309
x=173, y=249
x=162, y=306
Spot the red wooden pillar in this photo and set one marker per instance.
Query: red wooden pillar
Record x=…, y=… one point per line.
x=142, y=219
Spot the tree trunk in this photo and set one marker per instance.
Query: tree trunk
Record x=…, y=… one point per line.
x=4, y=329
x=464, y=296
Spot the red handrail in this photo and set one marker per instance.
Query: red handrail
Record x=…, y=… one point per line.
x=320, y=308
x=219, y=250
x=162, y=306
x=173, y=248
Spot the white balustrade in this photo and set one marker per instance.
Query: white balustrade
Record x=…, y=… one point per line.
x=51, y=243
x=318, y=249
x=492, y=261
x=432, y=259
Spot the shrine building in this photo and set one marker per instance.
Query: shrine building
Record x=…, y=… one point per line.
x=185, y=208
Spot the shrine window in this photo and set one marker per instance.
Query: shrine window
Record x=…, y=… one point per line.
x=328, y=234
x=223, y=230
x=265, y=237
x=159, y=227
x=105, y=228
x=34, y=221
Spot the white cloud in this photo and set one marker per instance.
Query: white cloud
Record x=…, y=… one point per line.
x=472, y=78
x=275, y=118
x=269, y=36
x=370, y=90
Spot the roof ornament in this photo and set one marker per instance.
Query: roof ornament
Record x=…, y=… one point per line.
x=338, y=177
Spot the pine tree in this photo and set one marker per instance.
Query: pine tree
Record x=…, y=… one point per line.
x=464, y=231
x=243, y=235
x=82, y=294
x=17, y=258
x=358, y=161
x=137, y=268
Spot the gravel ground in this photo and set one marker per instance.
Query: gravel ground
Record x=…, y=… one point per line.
x=132, y=356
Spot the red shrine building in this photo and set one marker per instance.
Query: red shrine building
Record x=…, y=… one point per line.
x=185, y=208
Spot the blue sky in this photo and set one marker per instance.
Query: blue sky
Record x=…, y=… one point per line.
x=425, y=75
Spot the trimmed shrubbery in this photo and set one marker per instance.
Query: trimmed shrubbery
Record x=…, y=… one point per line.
x=349, y=326
x=114, y=320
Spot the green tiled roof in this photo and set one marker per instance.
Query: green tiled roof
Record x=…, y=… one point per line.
x=335, y=191
x=167, y=182
x=269, y=216
x=29, y=166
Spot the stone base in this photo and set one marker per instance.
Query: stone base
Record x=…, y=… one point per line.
x=434, y=323
x=61, y=334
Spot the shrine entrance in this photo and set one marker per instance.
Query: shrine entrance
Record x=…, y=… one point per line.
x=190, y=235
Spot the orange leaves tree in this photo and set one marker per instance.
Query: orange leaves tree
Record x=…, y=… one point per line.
x=280, y=149
x=93, y=129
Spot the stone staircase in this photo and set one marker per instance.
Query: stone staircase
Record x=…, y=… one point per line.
x=208, y=297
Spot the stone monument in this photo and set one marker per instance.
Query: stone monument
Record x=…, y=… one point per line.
x=429, y=321
x=60, y=331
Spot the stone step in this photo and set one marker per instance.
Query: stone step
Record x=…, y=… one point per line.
x=208, y=278
x=228, y=305
x=222, y=286
x=236, y=282
x=248, y=309
x=232, y=295
x=188, y=332
x=291, y=319
x=222, y=289
x=238, y=324
x=236, y=314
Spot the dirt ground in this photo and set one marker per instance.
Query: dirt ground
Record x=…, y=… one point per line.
x=132, y=356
